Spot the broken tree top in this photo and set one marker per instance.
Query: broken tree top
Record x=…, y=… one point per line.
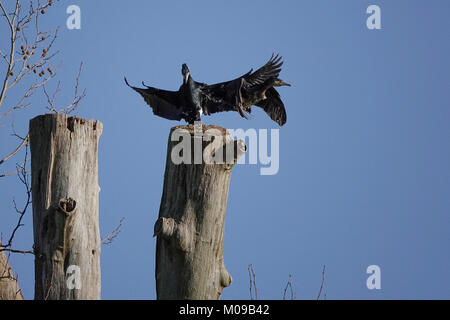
x=209, y=144
x=191, y=222
x=71, y=123
x=65, y=192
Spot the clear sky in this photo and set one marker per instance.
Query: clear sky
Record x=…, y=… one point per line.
x=364, y=176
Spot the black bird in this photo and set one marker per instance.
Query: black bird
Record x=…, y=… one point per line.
x=195, y=98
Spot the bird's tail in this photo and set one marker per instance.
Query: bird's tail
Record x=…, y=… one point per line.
x=125, y=78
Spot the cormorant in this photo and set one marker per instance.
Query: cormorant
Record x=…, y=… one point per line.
x=195, y=98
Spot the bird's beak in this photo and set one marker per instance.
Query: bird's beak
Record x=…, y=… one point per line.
x=279, y=83
x=186, y=77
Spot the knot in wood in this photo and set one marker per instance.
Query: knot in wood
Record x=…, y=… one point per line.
x=164, y=227
x=67, y=205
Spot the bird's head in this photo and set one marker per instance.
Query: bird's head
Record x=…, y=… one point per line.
x=185, y=72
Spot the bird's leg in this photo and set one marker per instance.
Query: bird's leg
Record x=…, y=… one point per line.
x=241, y=112
x=189, y=119
x=198, y=114
x=185, y=115
x=238, y=95
x=191, y=116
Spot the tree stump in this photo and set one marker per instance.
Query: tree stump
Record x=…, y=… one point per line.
x=9, y=288
x=190, y=227
x=64, y=170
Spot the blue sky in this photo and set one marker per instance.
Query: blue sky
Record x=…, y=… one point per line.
x=364, y=172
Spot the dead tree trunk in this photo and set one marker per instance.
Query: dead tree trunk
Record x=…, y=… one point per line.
x=65, y=190
x=190, y=227
x=9, y=288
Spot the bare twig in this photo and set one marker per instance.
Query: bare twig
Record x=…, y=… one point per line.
x=51, y=100
x=109, y=238
x=289, y=285
x=24, y=142
x=252, y=277
x=72, y=107
x=24, y=178
x=8, y=174
x=17, y=251
x=323, y=281
x=10, y=59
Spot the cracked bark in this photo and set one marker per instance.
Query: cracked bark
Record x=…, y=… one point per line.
x=64, y=170
x=190, y=227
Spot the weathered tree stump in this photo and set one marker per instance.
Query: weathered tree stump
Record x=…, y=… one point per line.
x=9, y=288
x=64, y=170
x=190, y=227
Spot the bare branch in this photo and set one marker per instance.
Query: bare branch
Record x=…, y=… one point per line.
x=24, y=142
x=289, y=285
x=10, y=173
x=20, y=67
x=4, y=56
x=24, y=178
x=6, y=15
x=72, y=107
x=10, y=59
x=109, y=238
x=28, y=93
x=16, y=251
x=26, y=67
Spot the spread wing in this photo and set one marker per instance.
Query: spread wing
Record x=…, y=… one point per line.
x=273, y=106
x=166, y=104
x=227, y=96
x=221, y=96
x=271, y=69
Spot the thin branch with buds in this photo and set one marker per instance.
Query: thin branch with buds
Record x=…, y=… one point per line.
x=25, y=62
x=19, y=63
